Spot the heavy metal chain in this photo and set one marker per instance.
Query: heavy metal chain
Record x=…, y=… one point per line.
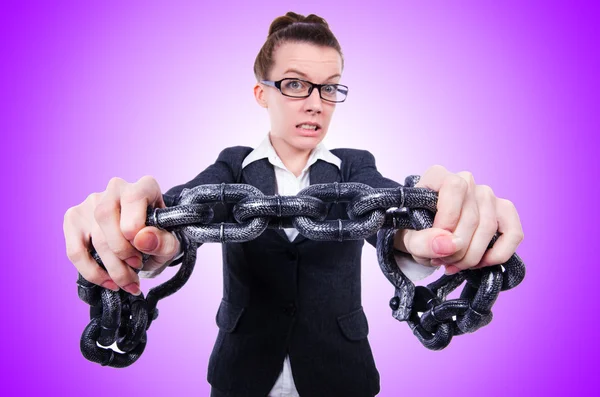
x=124, y=318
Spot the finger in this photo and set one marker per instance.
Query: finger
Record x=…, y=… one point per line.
x=400, y=246
x=468, y=220
x=122, y=274
x=78, y=253
x=399, y=237
x=161, y=244
x=107, y=215
x=431, y=243
x=134, y=203
x=452, y=190
x=152, y=264
x=487, y=227
x=451, y=270
x=509, y=225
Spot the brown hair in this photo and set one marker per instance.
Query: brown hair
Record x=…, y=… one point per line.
x=293, y=27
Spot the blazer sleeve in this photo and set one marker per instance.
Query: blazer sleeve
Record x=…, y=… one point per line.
x=223, y=170
x=364, y=170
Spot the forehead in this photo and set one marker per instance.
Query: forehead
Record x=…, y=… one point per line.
x=315, y=62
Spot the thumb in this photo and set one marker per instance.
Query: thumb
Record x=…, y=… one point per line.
x=156, y=242
x=431, y=243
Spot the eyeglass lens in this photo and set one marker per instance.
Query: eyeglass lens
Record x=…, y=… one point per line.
x=299, y=88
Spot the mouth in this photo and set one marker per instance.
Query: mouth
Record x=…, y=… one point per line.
x=309, y=127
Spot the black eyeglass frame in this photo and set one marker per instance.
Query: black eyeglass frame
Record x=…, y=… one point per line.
x=277, y=84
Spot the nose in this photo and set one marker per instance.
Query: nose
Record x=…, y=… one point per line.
x=313, y=103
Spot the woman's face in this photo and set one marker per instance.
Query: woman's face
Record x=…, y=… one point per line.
x=308, y=62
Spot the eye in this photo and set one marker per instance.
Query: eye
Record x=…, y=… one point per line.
x=294, y=84
x=329, y=89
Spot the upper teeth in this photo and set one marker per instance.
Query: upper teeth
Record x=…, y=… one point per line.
x=308, y=127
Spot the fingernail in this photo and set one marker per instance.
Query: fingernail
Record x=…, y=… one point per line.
x=133, y=289
x=450, y=270
x=150, y=243
x=446, y=245
x=134, y=261
x=110, y=285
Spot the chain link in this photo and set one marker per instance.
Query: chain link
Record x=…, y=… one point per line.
x=124, y=318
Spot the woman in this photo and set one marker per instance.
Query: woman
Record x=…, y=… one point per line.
x=291, y=319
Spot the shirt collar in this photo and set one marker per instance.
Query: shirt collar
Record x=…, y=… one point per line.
x=265, y=149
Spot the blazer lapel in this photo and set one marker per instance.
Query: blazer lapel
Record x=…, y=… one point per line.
x=324, y=172
x=261, y=174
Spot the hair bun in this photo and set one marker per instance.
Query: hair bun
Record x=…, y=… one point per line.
x=291, y=17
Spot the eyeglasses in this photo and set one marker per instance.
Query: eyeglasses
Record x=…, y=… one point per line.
x=297, y=88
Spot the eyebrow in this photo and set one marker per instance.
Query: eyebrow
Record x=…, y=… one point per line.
x=305, y=76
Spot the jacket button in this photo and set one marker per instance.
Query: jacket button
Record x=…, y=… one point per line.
x=394, y=303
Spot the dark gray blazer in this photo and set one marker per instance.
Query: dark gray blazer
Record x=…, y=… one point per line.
x=301, y=298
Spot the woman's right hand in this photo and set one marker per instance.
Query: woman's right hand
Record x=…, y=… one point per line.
x=115, y=222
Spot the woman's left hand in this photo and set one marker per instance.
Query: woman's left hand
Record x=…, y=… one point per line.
x=468, y=216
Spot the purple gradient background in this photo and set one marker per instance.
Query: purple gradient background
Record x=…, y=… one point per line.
x=506, y=90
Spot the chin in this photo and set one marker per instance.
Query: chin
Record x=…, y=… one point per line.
x=307, y=142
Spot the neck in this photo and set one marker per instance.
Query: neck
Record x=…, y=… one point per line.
x=294, y=159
